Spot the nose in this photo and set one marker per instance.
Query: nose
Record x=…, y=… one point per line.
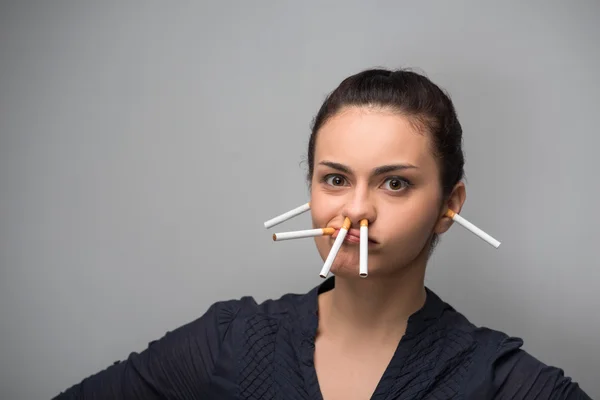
x=359, y=206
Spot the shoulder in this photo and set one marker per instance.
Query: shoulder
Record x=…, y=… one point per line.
x=235, y=314
x=500, y=367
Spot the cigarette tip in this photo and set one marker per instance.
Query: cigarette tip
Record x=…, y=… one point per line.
x=363, y=275
x=347, y=223
x=274, y=236
x=328, y=231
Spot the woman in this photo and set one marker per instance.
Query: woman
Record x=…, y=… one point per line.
x=385, y=147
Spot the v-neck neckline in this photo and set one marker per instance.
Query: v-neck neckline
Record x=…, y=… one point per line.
x=309, y=324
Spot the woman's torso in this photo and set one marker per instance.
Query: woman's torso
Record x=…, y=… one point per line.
x=271, y=355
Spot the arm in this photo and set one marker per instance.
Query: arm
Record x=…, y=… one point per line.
x=518, y=375
x=179, y=365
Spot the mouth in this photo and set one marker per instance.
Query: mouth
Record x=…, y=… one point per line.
x=353, y=236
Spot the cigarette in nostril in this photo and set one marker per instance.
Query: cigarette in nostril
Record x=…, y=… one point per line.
x=335, y=248
x=364, y=248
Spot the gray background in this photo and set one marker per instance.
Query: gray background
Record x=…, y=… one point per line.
x=143, y=144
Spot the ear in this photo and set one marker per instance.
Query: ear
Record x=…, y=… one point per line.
x=454, y=202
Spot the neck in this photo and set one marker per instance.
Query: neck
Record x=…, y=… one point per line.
x=377, y=307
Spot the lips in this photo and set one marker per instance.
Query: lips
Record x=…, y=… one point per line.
x=352, y=236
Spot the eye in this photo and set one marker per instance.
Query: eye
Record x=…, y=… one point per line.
x=396, y=184
x=335, y=180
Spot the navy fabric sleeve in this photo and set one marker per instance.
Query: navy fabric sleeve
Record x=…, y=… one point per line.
x=177, y=366
x=519, y=375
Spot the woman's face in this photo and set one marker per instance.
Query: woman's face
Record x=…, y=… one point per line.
x=372, y=163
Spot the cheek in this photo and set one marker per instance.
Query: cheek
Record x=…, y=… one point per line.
x=323, y=209
x=413, y=221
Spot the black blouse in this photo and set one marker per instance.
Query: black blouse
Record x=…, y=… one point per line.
x=243, y=350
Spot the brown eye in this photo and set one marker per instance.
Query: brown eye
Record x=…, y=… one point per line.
x=335, y=180
x=396, y=184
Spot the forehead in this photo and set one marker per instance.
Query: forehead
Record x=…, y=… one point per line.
x=369, y=137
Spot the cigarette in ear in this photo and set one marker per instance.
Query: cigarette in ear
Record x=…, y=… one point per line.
x=335, y=248
x=364, y=249
x=303, y=234
x=472, y=228
x=287, y=215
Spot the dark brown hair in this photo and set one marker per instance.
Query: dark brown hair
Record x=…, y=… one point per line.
x=410, y=94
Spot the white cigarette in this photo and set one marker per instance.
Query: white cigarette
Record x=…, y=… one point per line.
x=287, y=215
x=364, y=248
x=335, y=248
x=478, y=232
x=303, y=234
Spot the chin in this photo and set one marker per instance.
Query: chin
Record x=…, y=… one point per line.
x=352, y=271
x=345, y=271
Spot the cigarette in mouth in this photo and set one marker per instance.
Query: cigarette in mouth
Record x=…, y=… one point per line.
x=287, y=215
x=303, y=234
x=472, y=228
x=335, y=248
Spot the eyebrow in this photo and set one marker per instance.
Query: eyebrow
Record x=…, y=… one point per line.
x=383, y=169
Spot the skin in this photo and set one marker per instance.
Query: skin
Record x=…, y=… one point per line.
x=362, y=320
